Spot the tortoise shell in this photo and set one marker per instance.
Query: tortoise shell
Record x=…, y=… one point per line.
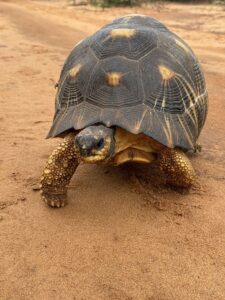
x=135, y=74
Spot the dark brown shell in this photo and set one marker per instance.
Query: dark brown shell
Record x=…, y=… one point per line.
x=136, y=74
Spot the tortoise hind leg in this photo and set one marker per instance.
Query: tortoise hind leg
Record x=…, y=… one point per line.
x=57, y=173
x=176, y=167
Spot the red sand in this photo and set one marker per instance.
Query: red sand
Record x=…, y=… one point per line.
x=120, y=237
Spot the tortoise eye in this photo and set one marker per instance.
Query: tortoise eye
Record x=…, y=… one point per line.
x=100, y=143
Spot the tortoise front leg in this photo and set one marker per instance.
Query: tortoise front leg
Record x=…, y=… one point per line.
x=176, y=167
x=57, y=173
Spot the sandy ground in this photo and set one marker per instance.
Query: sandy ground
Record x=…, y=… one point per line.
x=122, y=236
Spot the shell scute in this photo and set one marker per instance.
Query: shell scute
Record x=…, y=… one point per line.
x=127, y=41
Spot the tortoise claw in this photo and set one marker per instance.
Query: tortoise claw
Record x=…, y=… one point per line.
x=55, y=201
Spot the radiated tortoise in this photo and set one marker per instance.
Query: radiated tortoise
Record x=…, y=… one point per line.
x=132, y=92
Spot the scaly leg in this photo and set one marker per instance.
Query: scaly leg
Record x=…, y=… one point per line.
x=57, y=173
x=176, y=167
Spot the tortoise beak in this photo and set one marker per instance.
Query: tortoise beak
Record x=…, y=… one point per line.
x=85, y=152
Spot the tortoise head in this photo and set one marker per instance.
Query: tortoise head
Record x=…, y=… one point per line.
x=95, y=144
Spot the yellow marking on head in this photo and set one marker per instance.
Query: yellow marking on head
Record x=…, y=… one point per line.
x=97, y=156
x=123, y=32
x=182, y=45
x=113, y=78
x=166, y=73
x=74, y=71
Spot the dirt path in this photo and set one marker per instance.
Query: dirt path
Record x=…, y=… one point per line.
x=121, y=236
